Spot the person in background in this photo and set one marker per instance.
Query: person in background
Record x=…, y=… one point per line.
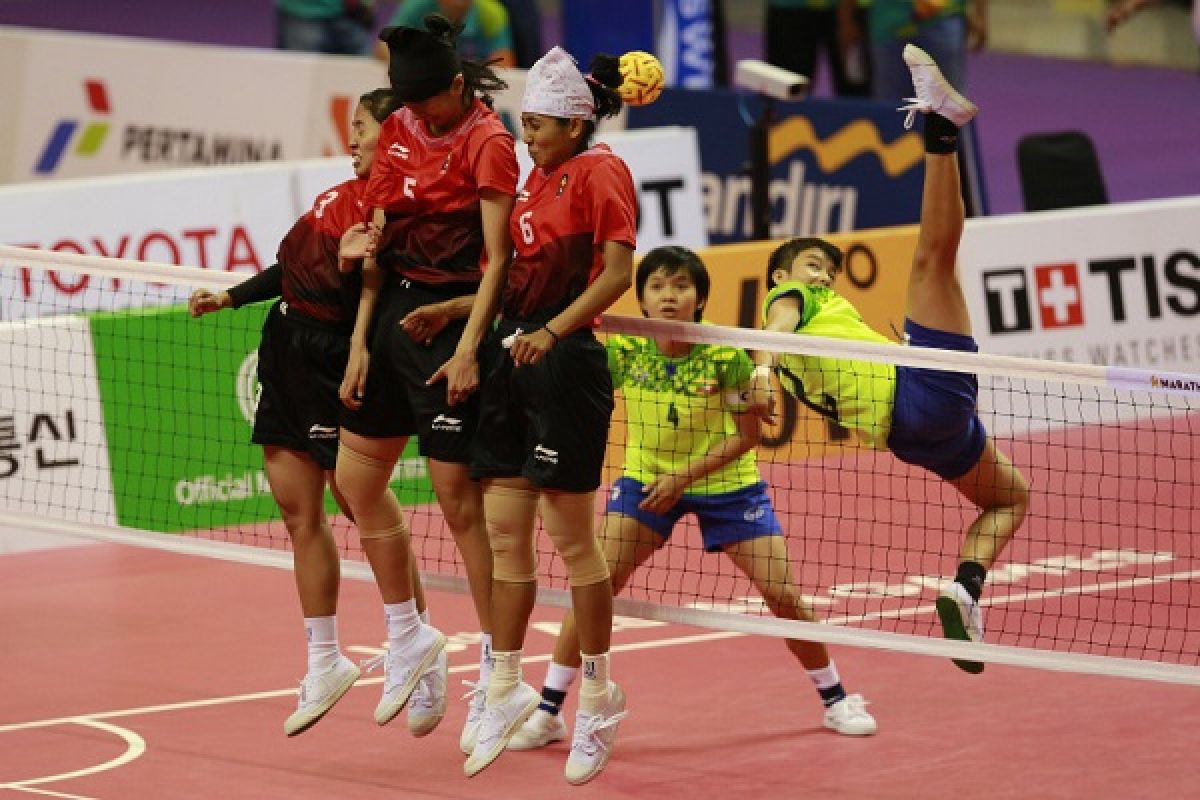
x=486, y=36
x=303, y=353
x=797, y=30
x=335, y=27
x=945, y=29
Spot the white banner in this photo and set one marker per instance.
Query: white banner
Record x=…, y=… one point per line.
x=665, y=163
x=53, y=454
x=228, y=219
x=124, y=105
x=1113, y=285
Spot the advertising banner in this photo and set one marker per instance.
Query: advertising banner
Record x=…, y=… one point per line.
x=127, y=105
x=1112, y=285
x=229, y=219
x=834, y=166
x=53, y=458
x=179, y=398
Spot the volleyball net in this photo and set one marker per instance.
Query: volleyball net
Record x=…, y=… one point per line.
x=123, y=419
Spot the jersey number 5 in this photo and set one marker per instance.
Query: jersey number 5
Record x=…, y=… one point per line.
x=526, y=228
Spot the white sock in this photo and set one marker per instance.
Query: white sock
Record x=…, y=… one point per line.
x=506, y=674
x=593, y=693
x=486, y=662
x=826, y=677
x=403, y=623
x=559, y=677
x=322, y=638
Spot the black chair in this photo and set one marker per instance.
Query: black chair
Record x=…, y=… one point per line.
x=1059, y=170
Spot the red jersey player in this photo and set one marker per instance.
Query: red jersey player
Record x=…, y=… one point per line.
x=547, y=396
x=439, y=200
x=301, y=359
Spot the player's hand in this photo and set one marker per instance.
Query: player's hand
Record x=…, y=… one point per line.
x=461, y=374
x=353, y=246
x=354, y=382
x=426, y=322
x=529, y=348
x=760, y=395
x=662, y=493
x=374, y=235
x=204, y=302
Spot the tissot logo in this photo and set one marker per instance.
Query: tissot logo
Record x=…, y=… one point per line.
x=1058, y=295
x=1121, y=289
x=1007, y=293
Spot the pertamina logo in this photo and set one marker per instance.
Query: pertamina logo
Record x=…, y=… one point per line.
x=89, y=142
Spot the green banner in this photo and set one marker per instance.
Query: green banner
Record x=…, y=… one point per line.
x=179, y=396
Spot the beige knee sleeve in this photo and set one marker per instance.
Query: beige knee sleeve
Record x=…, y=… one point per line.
x=510, y=515
x=570, y=522
x=369, y=471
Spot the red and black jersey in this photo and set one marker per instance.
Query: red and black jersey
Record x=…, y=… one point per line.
x=312, y=284
x=559, y=226
x=429, y=187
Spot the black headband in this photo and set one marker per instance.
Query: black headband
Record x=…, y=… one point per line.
x=420, y=64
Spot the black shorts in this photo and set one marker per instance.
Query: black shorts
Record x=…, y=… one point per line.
x=396, y=401
x=301, y=362
x=548, y=422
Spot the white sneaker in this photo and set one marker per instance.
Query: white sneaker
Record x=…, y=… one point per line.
x=318, y=693
x=962, y=619
x=593, y=740
x=499, y=723
x=539, y=730
x=401, y=672
x=476, y=698
x=849, y=717
x=427, y=705
x=934, y=92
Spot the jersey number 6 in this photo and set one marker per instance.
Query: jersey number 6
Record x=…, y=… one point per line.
x=526, y=228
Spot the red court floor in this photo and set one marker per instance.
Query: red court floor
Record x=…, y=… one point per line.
x=131, y=673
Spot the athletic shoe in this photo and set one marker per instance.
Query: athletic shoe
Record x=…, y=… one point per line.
x=500, y=722
x=318, y=693
x=593, y=740
x=401, y=672
x=427, y=705
x=539, y=730
x=934, y=93
x=962, y=619
x=476, y=698
x=849, y=717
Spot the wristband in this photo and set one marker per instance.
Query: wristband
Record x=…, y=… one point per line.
x=553, y=335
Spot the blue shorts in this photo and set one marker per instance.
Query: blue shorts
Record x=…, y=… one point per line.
x=934, y=424
x=725, y=519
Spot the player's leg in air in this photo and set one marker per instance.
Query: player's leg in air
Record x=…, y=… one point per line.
x=937, y=317
x=627, y=544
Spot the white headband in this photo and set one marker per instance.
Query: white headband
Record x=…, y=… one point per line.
x=556, y=88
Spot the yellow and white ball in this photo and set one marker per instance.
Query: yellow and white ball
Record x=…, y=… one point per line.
x=644, y=78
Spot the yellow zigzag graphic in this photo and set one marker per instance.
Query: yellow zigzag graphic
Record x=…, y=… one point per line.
x=860, y=136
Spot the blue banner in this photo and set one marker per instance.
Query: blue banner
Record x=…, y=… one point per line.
x=685, y=43
x=613, y=27
x=835, y=165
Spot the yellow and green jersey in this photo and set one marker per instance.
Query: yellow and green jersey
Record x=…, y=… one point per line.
x=679, y=409
x=856, y=394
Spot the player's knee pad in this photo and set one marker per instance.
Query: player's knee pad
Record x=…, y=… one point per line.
x=510, y=515
x=397, y=531
x=568, y=519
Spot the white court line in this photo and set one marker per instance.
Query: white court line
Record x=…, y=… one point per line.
x=135, y=746
x=832, y=632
